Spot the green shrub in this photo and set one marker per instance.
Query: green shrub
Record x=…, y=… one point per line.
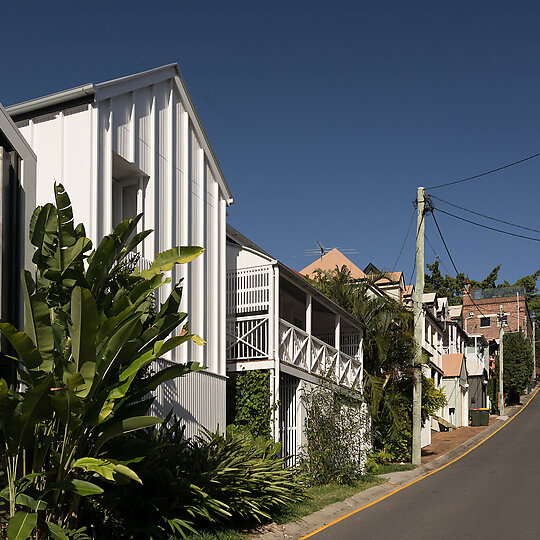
x=335, y=429
x=248, y=395
x=192, y=484
x=90, y=334
x=518, y=365
x=393, y=431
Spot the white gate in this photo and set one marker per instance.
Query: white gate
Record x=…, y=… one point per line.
x=288, y=387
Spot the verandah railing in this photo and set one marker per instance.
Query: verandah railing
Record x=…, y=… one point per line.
x=306, y=352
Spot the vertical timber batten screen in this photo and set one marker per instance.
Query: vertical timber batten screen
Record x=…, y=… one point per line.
x=289, y=418
x=248, y=290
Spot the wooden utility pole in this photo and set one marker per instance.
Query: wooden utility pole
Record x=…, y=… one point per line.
x=501, y=370
x=418, y=333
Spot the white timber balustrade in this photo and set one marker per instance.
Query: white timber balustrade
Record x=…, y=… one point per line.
x=299, y=349
x=247, y=338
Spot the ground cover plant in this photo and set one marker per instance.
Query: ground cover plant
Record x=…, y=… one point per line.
x=213, y=480
x=82, y=367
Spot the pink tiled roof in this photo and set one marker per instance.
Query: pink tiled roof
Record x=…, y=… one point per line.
x=452, y=364
x=329, y=261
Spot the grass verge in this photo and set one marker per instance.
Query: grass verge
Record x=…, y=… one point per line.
x=321, y=496
x=385, y=468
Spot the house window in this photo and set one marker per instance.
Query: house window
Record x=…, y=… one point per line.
x=128, y=181
x=484, y=322
x=124, y=200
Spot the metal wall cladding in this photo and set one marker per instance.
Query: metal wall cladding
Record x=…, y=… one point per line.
x=181, y=202
x=198, y=399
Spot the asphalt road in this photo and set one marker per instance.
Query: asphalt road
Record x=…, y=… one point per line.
x=491, y=493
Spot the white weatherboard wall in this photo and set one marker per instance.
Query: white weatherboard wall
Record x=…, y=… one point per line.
x=149, y=121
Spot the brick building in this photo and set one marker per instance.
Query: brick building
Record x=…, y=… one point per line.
x=481, y=311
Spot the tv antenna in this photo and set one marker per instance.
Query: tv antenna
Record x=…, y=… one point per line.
x=321, y=250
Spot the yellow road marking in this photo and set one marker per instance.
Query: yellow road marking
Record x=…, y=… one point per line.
x=418, y=479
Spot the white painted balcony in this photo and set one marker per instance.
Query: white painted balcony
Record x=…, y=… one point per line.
x=301, y=350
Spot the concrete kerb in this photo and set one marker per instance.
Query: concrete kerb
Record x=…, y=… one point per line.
x=297, y=529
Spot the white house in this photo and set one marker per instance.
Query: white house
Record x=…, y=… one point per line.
x=17, y=202
x=136, y=144
x=279, y=322
x=456, y=388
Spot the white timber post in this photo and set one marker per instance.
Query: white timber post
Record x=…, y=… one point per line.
x=200, y=262
x=222, y=285
x=309, y=308
x=183, y=218
x=105, y=178
x=337, y=344
x=275, y=406
x=214, y=268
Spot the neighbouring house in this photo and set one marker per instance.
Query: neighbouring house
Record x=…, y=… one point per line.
x=333, y=260
x=477, y=358
x=482, y=308
x=17, y=203
x=136, y=144
x=277, y=321
x=454, y=338
x=408, y=296
x=456, y=388
x=391, y=283
x=432, y=346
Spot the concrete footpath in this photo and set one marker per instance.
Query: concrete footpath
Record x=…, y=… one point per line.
x=449, y=442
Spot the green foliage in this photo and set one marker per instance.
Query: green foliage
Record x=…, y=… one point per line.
x=393, y=433
x=452, y=287
x=249, y=395
x=192, y=484
x=336, y=430
x=388, y=344
x=518, y=364
x=91, y=332
x=448, y=286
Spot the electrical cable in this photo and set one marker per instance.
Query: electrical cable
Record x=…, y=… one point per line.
x=484, y=215
x=485, y=173
x=488, y=227
x=404, y=241
x=449, y=255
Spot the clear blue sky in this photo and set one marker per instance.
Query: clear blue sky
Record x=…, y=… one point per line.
x=326, y=116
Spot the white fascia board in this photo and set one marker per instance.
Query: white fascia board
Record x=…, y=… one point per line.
x=130, y=83
x=203, y=139
x=14, y=136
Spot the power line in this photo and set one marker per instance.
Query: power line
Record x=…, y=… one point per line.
x=485, y=173
x=451, y=259
x=444, y=242
x=487, y=226
x=484, y=215
x=404, y=241
x=436, y=254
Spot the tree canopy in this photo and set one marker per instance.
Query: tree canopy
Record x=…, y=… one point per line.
x=452, y=287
